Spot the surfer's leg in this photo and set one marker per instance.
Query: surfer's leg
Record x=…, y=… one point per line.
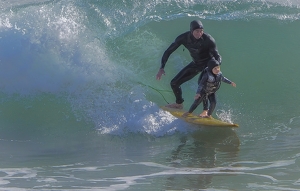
x=205, y=108
x=195, y=104
x=212, y=103
x=184, y=75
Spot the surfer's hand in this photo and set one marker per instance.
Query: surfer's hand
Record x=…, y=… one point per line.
x=160, y=73
x=233, y=84
x=197, y=96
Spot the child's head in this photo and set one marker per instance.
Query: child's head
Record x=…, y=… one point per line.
x=214, y=66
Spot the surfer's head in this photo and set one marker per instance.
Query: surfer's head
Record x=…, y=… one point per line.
x=196, y=28
x=213, y=66
x=196, y=24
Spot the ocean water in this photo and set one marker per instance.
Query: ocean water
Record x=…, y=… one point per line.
x=79, y=102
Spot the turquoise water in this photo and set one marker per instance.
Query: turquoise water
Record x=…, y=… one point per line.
x=79, y=103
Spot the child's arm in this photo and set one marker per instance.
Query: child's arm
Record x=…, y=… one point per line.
x=227, y=81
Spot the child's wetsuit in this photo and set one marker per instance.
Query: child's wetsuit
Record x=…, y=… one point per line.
x=208, y=85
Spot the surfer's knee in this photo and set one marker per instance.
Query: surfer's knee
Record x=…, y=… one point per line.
x=174, y=84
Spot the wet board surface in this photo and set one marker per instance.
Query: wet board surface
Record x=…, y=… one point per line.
x=198, y=120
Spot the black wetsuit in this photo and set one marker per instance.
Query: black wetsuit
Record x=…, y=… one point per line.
x=208, y=85
x=201, y=51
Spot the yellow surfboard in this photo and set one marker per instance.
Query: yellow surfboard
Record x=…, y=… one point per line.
x=198, y=120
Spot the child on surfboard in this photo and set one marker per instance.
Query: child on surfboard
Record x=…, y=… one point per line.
x=208, y=83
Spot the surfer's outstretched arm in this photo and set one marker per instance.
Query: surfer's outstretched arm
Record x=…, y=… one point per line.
x=160, y=72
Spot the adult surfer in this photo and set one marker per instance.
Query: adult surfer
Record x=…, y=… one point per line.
x=202, y=48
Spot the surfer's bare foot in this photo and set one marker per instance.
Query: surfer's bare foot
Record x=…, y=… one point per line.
x=185, y=114
x=175, y=106
x=203, y=114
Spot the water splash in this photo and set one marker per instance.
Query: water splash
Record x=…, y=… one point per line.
x=225, y=115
